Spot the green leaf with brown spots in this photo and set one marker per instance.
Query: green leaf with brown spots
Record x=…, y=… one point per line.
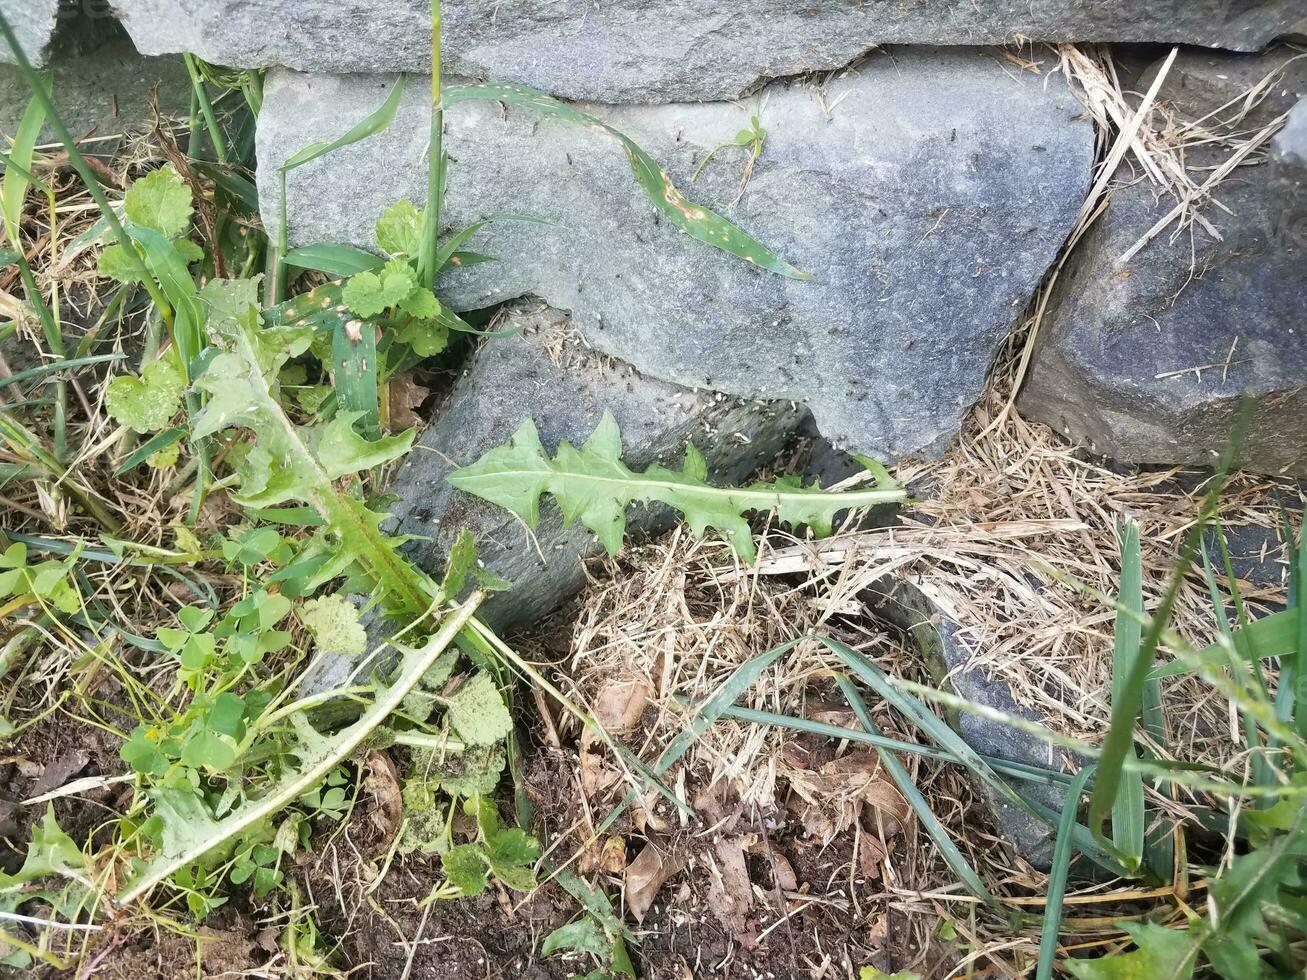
x=693, y=219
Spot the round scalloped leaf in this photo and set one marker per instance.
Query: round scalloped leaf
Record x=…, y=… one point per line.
x=334, y=623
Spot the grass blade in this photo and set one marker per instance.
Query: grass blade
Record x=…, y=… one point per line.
x=1016, y=770
x=1261, y=770
x=370, y=125
x=1120, y=735
x=1057, y=875
x=334, y=260
x=696, y=221
x=18, y=177
x=929, y=822
x=161, y=440
x=1128, y=810
x=1271, y=636
x=354, y=371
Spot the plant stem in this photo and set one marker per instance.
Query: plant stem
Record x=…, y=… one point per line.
x=79, y=164
x=206, y=108
x=435, y=160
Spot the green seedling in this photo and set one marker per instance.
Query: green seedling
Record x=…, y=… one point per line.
x=750, y=140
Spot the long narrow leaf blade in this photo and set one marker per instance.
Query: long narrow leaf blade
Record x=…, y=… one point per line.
x=16, y=179
x=370, y=125
x=693, y=219
x=1057, y=877
x=929, y=822
x=334, y=260
x=1128, y=810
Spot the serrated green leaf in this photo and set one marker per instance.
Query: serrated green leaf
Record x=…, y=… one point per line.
x=160, y=200
x=341, y=451
x=334, y=623
x=582, y=936
x=364, y=294
x=370, y=294
x=511, y=846
x=477, y=711
x=1160, y=953
x=466, y=868
x=284, y=462
x=149, y=402
x=189, y=831
x=592, y=485
x=164, y=458
x=398, y=228
x=50, y=852
x=188, y=251
x=462, y=562
x=472, y=772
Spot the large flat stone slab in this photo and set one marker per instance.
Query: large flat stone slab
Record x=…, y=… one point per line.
x=663, y=50
x=547, y=374
x=33, y=23
x=927, y=194
x=1149, y=361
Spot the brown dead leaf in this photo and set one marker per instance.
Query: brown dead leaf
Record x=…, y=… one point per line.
x=596, y=774
x=606, y=854
x=613, y=856
x=403, y=397
x=836, y=794
x=382, y=785
x=620, y=704
x=645, y=875
x=730, y=894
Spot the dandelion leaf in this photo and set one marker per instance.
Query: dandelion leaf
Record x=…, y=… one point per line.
x=592, y=485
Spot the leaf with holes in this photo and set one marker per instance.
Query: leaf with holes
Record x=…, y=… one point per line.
x=334, y=623
x=147, y=403
x=477, y=712
x=160, y=200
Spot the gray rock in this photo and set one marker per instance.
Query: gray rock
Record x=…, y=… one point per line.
x=548, y=374
x=33, y=24
x=939, y=643
x=663, y=50
x=101, y=93
x=1148, y=362
x=1289, y=149
x=927, y=195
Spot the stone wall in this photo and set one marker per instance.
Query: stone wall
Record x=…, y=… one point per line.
x=927, y=179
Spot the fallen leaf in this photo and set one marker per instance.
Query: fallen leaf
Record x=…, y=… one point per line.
x=837, y=792
x=620, y=704
x=730, y=894
x=596, y=774
x=382, y=784
x=404, y=397
x=645, y=876
x=613, y=856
